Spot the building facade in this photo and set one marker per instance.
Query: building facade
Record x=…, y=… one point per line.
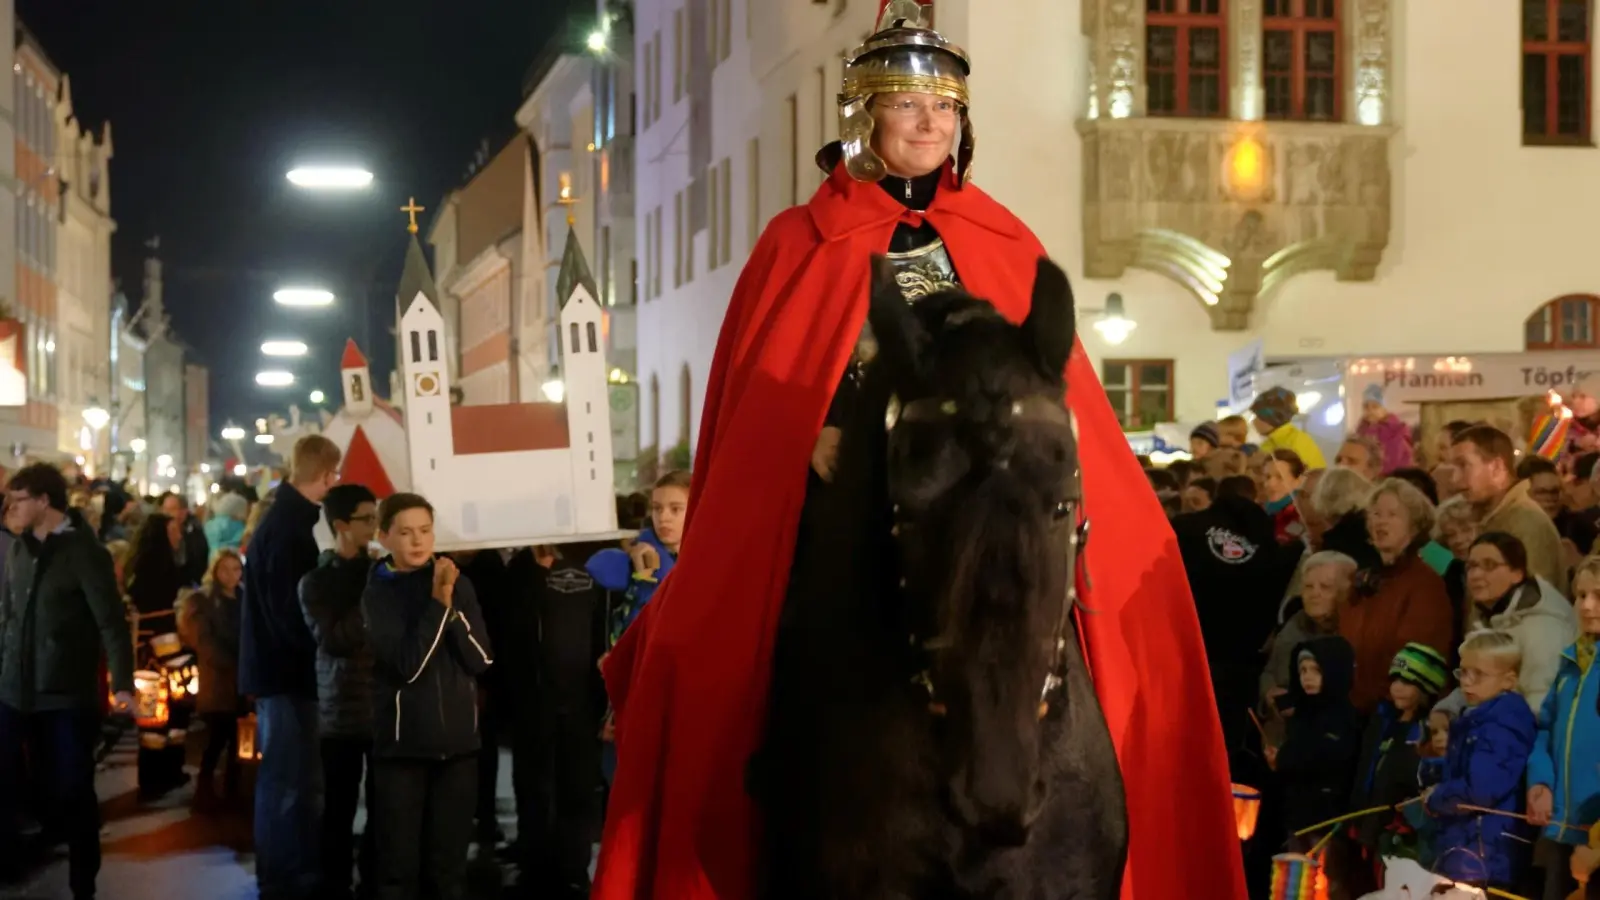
x=1309, y=174
x=83, y=291
x=702, y=158
x=125, y=439
x=163, y=461
x=196, y=417
x=31, y=428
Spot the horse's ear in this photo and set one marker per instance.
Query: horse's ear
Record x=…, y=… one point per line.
x=899, y=336
x=1050, y=328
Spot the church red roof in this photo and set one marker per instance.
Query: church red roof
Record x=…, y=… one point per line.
x=362, y=466
x=353, y=358
x=509, y=428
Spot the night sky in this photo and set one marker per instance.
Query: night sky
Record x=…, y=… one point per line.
x=212, y=102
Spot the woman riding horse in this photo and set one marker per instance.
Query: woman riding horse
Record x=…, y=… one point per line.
x=690, y=679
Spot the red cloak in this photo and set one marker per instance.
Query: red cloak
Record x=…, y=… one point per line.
x=689, y=679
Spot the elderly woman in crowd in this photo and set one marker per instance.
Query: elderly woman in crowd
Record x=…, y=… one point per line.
x=1325, y=582
x=1400, y=601
x=1340, y=501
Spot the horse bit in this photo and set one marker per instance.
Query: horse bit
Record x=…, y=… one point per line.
x=1066, y=513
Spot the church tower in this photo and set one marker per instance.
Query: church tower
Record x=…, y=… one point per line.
x=583, y=371
x=357, y=378
x=426, y=380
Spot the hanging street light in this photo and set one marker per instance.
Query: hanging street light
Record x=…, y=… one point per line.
x=318, y=396
x=233, y=433
x=284, y=348
x=274, y=378
x=303, y=297
x=330, y=178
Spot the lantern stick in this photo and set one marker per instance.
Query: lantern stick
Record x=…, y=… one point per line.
x=1340, y=820
x=1260, y=729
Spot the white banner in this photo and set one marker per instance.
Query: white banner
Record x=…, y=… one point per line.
x=1484, y=376
x=1243, y=366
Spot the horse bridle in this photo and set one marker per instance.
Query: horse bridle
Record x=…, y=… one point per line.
x=1067, y=515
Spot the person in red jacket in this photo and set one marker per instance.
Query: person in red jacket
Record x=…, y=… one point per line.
x=689, y=680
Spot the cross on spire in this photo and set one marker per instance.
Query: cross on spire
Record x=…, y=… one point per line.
x=411, y=208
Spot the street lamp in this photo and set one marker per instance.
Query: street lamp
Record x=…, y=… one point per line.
x=284, y=348
x=318, y=396
x=597, y=41
x=96, y=417
x=303, y=297
x=233, y=433
x=137, y=445
x=263, y=439
x=553, y=390
x=335, y=178
x=1113, y=325
x=274, y=378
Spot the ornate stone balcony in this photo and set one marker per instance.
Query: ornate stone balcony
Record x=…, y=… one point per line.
x=1229, y=209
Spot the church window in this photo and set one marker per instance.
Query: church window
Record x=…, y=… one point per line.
x=358, y=393
x=433, y=346
x=416, y=346
x=594, y=346
x=1565, y=323
x=1300, y=49
x=572, y=334
x=1186, y=59
x=1556, y=43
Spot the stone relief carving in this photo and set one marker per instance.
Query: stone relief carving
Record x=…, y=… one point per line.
x=1157, y=192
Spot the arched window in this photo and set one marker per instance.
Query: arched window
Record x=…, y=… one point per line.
x=1565, y=323
x=655, y=410
x=1300, y=71
x=1186, y=61
x=685, y=387
x=1556, y=39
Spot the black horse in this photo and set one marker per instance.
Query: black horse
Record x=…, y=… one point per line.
x=933, y=731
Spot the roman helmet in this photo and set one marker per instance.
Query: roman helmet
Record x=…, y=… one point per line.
x=903, y=54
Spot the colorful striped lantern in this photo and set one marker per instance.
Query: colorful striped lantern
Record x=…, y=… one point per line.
x=1298, y=877
x=1549, y=437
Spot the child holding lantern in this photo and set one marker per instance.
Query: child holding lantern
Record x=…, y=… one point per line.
x=1563, y=782
x=1483, y=768
x=1387, y=773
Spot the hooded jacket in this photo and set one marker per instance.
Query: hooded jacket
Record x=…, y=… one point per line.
x=1566, y=748
x=1394, y=437
x=1545, y=625
x=426, y=662
x=1321, y=738
x=1236, y=574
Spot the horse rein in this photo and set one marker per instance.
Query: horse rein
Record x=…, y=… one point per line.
x=1067, y=516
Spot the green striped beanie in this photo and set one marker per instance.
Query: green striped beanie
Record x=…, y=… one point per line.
x=1422, y=666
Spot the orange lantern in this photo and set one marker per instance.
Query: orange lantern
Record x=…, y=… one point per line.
x=149, y=699
x=1246, y=807
x=246, y=738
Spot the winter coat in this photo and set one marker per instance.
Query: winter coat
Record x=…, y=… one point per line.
x=208, y=621
x=1386, y=772
x=330, y=598
x=1566, y=749
x=1390, y=608
x=1519, y=516
x=1298, y=630
x=1291, y=437
x=1394, y=437
x=612, y=569
x=1545, y=624
x=427, y=659
x=1483, y=766
x=1321, y=738
x=277, y=655
x=59, y=610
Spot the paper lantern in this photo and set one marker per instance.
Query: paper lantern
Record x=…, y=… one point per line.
x=246, y=738
x=149, y=699
x=1549, y=437
x=1298, y=877
x=1246, y=807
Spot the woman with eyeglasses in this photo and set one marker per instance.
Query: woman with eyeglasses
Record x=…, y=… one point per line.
x=1507, y=597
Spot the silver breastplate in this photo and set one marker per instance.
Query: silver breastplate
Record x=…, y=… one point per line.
x=920, y=272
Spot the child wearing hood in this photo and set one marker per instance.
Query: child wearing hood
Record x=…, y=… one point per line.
x=1563, y=782
x=1317, y=758
x=638, y=571
x=1483, y=767
x=1390, y=751
x=1383, y=426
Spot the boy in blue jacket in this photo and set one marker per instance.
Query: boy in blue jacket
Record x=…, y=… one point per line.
x=1483, y=767
x=635, y=573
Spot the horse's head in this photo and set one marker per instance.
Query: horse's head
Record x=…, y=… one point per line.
x=983, y=478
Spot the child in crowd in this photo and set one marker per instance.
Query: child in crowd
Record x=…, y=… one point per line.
x=1387, y=772
x=1563, y=779
x=1204, y=439
x=1483, y=767
x=429, y=645
x=1233, y=432
x=1321, y=735
x=638, y=571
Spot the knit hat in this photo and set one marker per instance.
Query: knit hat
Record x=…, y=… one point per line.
x=1275, y=406
x=1207, y=431
x=1422, y=666
x=1373, y=394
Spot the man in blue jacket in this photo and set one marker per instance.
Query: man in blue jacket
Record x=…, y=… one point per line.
x=278, y=666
